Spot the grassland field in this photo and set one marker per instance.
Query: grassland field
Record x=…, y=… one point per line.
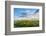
x=26, y=23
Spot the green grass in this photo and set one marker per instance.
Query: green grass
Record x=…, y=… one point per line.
x=26, y=23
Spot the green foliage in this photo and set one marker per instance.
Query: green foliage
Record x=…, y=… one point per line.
x=26, y=23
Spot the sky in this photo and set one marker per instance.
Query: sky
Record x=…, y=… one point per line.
x=23, y=12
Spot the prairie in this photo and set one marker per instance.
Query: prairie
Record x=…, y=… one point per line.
x=26, y=23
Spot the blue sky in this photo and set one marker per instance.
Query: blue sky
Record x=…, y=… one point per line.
x=24, y=11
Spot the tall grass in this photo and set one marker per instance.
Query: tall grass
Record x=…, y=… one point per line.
x=26, y=23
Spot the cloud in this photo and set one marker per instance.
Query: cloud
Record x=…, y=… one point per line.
x=29, y=14
x=28, y=17
x=30, y=11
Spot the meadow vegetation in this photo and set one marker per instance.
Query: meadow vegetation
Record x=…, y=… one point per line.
x=26, y=23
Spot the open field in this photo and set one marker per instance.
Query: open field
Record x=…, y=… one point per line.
x=26, y=23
